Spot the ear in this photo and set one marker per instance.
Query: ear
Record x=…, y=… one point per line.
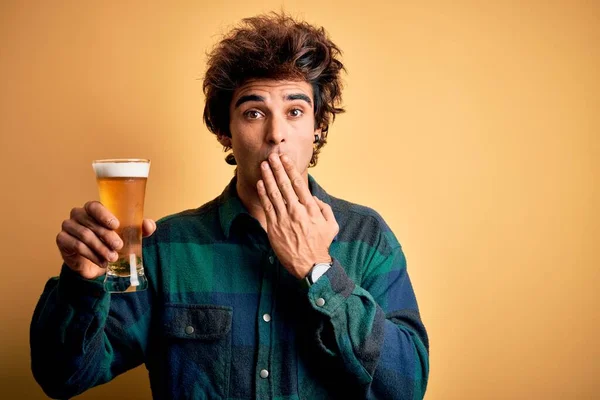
x=224, y=140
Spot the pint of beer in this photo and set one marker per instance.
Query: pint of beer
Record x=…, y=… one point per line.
x=122, y=187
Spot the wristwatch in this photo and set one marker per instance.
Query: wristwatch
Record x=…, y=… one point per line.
x=316, y=272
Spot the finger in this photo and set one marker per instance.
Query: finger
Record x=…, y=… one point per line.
x=325, y=209
x=74, y=250
x=108, y=236
x=272, y=190
x=148, y=227
x=87, y=237
x=299, y=184
x=282, y=179
x=96, y=210
x=265, y=202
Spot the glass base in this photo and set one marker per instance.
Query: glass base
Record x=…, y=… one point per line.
x=122, y=284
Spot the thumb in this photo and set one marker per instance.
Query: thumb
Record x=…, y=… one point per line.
x=148, y=227
x=325, y=209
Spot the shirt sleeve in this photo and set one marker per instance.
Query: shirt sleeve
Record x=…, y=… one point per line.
x=82, y=336
x=376, y=330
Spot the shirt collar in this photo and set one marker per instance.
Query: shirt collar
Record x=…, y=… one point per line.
x=231, y=207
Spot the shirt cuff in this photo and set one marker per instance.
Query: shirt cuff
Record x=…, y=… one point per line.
x=331, y=290
x=78, y=291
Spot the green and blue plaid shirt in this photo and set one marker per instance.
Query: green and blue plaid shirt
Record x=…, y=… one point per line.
x=223, y=319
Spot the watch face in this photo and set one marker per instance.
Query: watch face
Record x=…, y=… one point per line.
x=318, y=271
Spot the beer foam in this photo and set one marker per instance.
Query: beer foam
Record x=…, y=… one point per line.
x=122, y=169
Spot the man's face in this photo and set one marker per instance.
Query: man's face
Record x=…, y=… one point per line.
x=268, y=116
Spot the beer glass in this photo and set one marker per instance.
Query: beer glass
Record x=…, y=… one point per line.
x=122, y=188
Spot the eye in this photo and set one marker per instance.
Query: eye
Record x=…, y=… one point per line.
x=252, y=114
x=296, y=112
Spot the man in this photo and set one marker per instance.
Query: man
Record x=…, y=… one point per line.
x=272, y=290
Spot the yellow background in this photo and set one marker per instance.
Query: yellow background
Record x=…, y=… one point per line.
x=472, y=127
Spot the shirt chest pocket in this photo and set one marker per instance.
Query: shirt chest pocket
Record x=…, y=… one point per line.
x=197, y=347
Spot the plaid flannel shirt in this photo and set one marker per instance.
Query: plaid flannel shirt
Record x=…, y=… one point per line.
x=223, y=319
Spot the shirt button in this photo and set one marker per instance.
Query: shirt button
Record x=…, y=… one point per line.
x=320, y=302
x=266, y=317
x=189, y=329
x=271, y=259
x=264, y=373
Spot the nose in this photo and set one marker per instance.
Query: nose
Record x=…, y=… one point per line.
x=276, y=130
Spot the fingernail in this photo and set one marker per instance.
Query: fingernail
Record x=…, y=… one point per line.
x=117, y=244
x=284, y=158
x=111, y=222
x=265, y=165
x=113, y=256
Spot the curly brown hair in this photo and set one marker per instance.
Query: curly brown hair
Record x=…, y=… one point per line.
x=273, y=46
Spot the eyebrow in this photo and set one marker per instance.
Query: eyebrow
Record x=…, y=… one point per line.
x=249, y=97
x=299, y=96
x=289, y=97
